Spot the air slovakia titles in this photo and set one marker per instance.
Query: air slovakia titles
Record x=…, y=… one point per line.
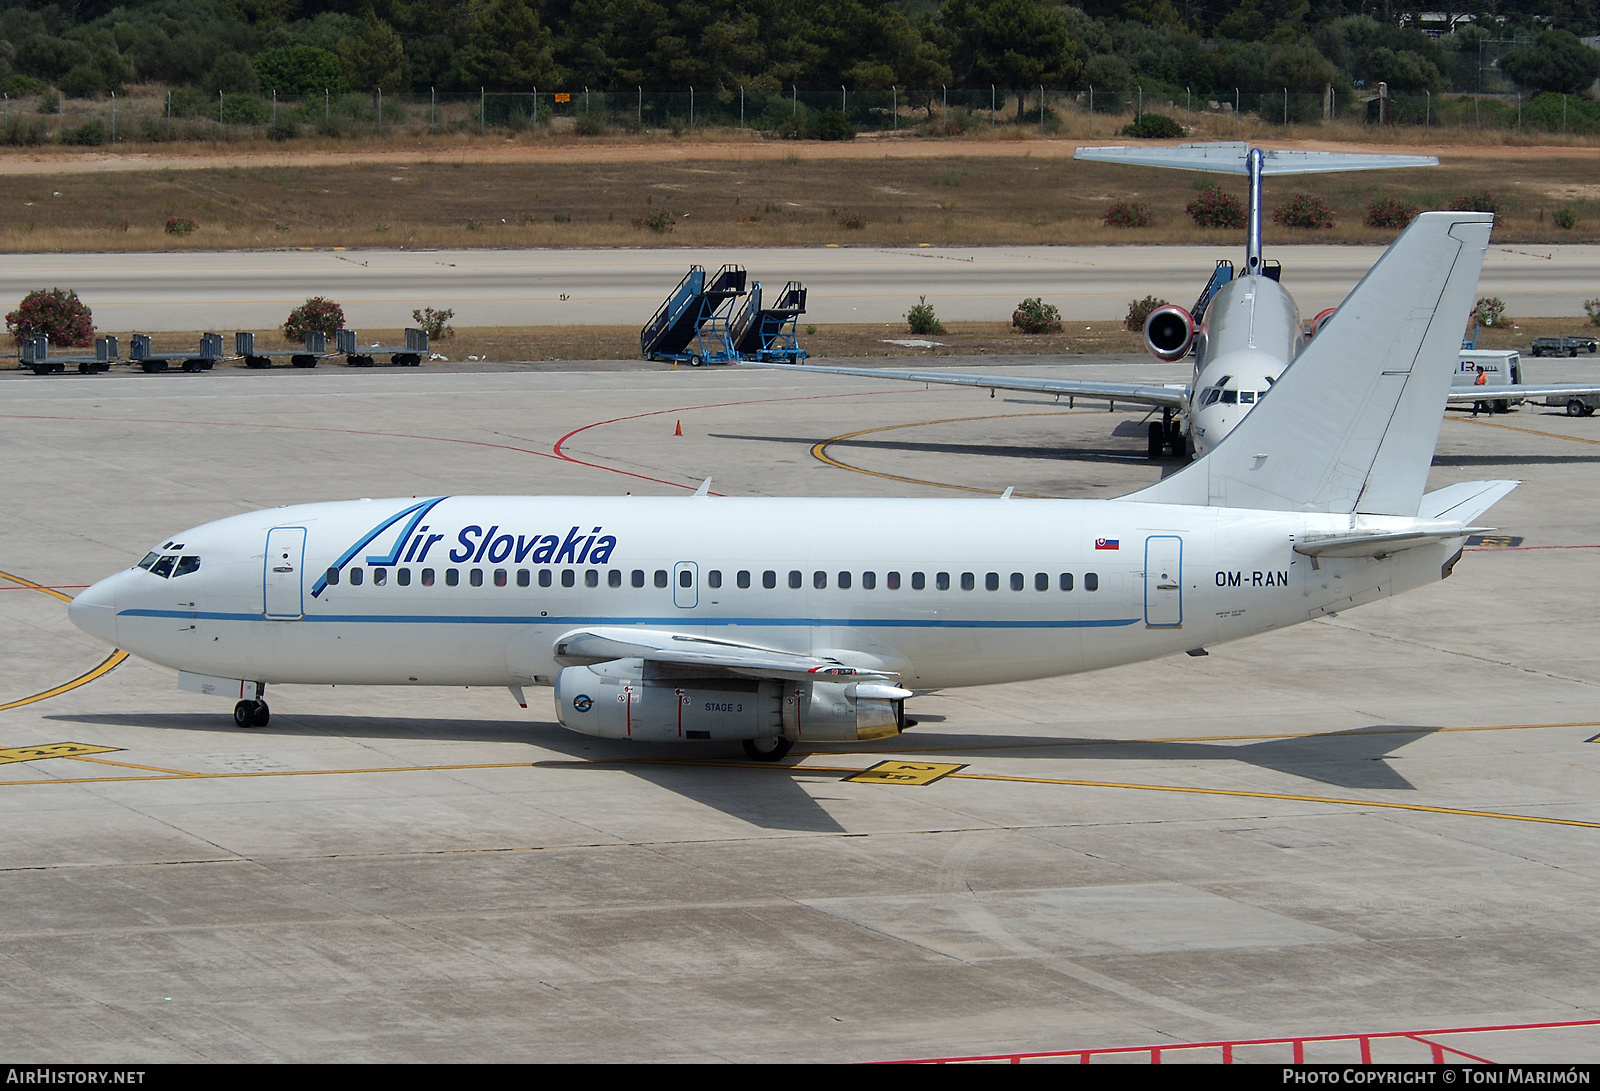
x=475, y=545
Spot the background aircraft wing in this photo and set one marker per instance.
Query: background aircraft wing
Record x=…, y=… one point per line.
x=1231, y=158
x=586, y=647
x=1460, y=395
x=1174, y=396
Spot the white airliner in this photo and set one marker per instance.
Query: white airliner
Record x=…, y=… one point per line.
x=1243, y=329
x=776, y=621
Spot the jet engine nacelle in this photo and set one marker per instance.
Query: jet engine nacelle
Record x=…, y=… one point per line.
x=635, y=699
x=1169, y=332
x=1315, y=325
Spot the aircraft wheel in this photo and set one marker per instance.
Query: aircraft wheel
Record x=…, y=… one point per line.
x=244, y=713
x=1158, y=439
x=774, y=749
x=262, y=715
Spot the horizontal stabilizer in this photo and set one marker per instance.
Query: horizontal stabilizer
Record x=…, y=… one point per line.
x=1232, y=158
x=586, y=647
x=1464, y=501
x=1383, y=543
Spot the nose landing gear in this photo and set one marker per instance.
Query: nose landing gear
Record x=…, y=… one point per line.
x=253, y=713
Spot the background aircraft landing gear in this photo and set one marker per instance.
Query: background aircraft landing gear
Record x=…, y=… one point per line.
x=1167, y=433
x=767, y=749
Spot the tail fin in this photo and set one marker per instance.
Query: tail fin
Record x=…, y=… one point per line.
x=1351, y=424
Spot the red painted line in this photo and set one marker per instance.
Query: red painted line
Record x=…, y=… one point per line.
x=559, y=453
x=1439, y=1049
x=1298, y=1043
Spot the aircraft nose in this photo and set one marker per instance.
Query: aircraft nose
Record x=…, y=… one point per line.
x=95, y=610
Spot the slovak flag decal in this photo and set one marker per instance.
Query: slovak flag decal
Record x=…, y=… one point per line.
x=1106, y=543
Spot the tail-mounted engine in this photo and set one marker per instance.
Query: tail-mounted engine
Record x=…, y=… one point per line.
x=1169, y=332
x=637, y=699
x=1315, y=325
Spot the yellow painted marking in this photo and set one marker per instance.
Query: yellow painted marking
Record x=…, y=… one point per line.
x=131, y=765
x=106, y=666
x=905, y=772
x=819, y=451
x=51, y=750
x=1529, y=431
x=35, y=586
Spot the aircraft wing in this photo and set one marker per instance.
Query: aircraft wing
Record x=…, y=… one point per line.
x=1231, y=158
x=586, y=647
x=1173, y=396
x=1466, y=395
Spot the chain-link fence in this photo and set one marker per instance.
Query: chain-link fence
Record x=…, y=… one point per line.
x=185, y=114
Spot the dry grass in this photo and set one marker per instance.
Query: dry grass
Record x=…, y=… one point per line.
x=944, y=199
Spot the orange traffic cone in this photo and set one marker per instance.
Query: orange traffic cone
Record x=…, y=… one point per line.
x=678, y=431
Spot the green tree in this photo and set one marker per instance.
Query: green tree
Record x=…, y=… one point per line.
x=1558, y=62
x=294, y=70
x=509, y=50
x=375, y=58
x=1011, y=43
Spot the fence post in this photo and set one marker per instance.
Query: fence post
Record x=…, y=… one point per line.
x=274, y=105
x=1563, y=115
x=1519, y=111
x=482, y=105
x=1137, y=114
x=1235, y=109
x=1041, y=108
x=946, y=104
x=327, y=114
x=794, y=100
x=433, y=107
x=1285, y=109
x=640, y=88
x=535, y=125
x=219, y=106
x=380, y=109
x=894, y=98
x=741, y=107
x=842, y=109
x=169, y=114
x=991, y=106
x=1091, y=105
x=691, y=108
x=8, y=108
x=1427, y=116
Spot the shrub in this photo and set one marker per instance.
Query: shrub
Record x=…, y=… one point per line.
x=833, y=125
x=589, y=125
x=1128, y=214
x=854, y=221
x=17, y=85
x=921, y=319
x=58, y=314
x=1490, y=311
x=1591, y=307
x=1304, y=210
x=1389, y=212
x=24, y=133
x=1475, y=202
x=284, y=128
x=315, y=313
x=660, y=222
x=435, y=323
x=90, y=134
x=50, y=104
x=1566, y=217
x=180, y=225
x=1036, y=316
x=1153, y=127
x=1216, y=207
x=1139, y=310
x=244, y=109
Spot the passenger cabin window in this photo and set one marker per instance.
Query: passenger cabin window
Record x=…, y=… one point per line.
x=402, y=576
x=819, y=580
x=661, y=577
x=614, y=577
x=1066, y=581
x=686, y=578
x=524, y=577
x=844, y=581
x=544, y=577
x=869, y=580
x=355, y=577
x=475, y=577
x=638, y=577
x=892, y=581
x=991, y=581
x=380, y=576
x=452, y=577
x=714, y=578
x=1091, y=581
x=499, y=577
x=742, y=579
x=568, y=578
x=591, y=578
x=1016, y=581
x=1041, y=581
x=918, y=581
x=942, y=581
x=769, y=579
x=427, y=577
x=333, y=577
x=795, y=579
x=968, y=581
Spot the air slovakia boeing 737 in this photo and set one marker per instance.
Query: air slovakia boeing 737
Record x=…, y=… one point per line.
x=775, y=621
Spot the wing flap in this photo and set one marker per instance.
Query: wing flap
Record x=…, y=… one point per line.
x=586, y=647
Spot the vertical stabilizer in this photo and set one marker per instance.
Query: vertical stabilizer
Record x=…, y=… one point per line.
x=1351, y=424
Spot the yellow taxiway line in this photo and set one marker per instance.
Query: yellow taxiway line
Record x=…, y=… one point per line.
x=106, y=666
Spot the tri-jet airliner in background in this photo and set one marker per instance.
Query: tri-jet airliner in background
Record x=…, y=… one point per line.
x=1243, y=330
x=771, y=622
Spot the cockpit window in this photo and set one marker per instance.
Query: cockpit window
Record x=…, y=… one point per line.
x=1230, y=397
x=163, y=567
x=1247, y=397
x=149, y=559
x=1211, y=398
x=186, y=565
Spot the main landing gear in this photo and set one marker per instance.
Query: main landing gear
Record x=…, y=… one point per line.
x=1165, y=434
x=772, y=749
x=253, y=713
